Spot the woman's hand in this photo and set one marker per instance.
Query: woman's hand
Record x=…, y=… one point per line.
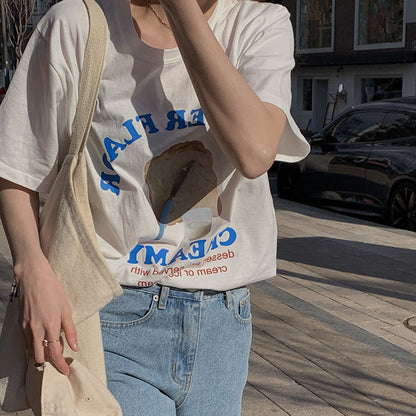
x=45, y=312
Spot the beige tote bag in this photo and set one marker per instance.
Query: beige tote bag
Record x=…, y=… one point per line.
x=68, y=240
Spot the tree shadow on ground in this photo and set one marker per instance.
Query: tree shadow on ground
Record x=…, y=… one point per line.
x=394, y=267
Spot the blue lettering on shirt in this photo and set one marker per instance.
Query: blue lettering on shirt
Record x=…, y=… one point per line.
x=110, y=182
x=226, y=237
x=128, y=124
x=112, y=147
x=176, y=118
x=198, y=117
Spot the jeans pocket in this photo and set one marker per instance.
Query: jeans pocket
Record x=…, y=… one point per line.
x=132, y=308
x=242, y=308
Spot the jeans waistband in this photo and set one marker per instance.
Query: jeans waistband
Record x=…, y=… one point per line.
x=207, y=292
x=162, y=293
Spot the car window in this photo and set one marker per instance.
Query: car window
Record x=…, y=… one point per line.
x=357, y=126
x=397, y=125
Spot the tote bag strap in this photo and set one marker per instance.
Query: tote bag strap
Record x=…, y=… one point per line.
x=90, y=76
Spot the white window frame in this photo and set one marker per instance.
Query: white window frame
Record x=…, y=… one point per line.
x=383, y=45
x=298, y=26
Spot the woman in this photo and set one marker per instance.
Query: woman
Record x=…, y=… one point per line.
x=192, y=110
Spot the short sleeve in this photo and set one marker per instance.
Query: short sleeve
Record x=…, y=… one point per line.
x=266, y=62
x=37, y=112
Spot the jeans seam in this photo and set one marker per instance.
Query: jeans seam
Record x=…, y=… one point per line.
x=188, y=385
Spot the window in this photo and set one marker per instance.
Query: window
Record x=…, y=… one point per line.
x=356, y=127
x=307, y=95
x=397, y=126
x=315, y=24
x=373, y=89
x=379, y=22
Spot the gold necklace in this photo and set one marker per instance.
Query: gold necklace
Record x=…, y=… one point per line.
x=152, y=9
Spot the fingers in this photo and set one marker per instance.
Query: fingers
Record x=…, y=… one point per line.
x=49, y=346
x=38, y=351
x=35, y=348
x=70, y=332
x=53, y=348
x=45, y=313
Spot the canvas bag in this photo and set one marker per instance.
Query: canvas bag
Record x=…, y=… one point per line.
x=69, y=242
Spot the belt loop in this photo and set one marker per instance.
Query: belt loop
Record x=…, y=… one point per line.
x=163, y=297
x=228, y=299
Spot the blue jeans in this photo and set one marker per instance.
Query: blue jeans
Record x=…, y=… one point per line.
x=172, y=352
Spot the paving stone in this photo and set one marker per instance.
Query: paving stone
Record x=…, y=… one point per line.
x=301, y=291
x=398, y=405
x=376, y=388
x=351, y=372
x=408, y=305
x=324, y=410
x=401, y=342
x=396, y=374
x=397, y=335
x=328, y=299
x=262, y=372
x=349, y=313
x=297, y=328
x=329, y=390
x=401, y=331
x=367, y=300
x=344, y=288
x=256, y=403
x=292, y=398
x=364, y=355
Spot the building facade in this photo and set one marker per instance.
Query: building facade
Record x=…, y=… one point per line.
x=350, y=52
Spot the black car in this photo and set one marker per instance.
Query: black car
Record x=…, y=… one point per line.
x=364, y=161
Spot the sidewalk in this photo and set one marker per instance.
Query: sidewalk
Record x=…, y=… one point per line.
x=328, y=338
x=327, y=333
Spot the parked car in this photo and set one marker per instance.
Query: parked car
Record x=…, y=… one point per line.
x=364, y=161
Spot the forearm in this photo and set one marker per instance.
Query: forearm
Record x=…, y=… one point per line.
x=246, y=129
x=44, y=306
x=19, y=214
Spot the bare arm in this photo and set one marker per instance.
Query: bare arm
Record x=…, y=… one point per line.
x=45, y=308
x=247, y=129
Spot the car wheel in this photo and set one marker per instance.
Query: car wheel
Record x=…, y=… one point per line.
x=402, y=207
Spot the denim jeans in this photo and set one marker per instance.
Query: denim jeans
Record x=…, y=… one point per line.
x=172, y=352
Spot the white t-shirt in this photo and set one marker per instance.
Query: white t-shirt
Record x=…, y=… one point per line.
x=151, y=157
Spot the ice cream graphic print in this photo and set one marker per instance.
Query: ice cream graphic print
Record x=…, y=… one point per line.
x=190, y=238
x=183, y=194
x=183, y=187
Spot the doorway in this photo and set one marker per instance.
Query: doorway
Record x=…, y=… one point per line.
x=319, y=103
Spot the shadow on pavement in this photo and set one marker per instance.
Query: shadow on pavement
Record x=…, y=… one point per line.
x=366, y=259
